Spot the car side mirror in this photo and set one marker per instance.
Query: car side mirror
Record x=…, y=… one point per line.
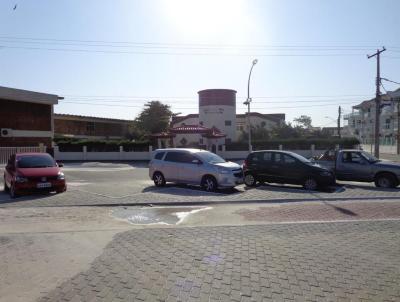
x=60, y=164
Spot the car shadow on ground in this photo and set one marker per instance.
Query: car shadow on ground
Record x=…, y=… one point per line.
x=369, y=187
x=189, y=190
x=294, y=189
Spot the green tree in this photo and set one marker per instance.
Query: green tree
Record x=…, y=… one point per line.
x=303, y=121
x=286, y=131
x=154, y=118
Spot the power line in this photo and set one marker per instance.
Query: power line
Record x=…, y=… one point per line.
x=180, y=47
x=126, y=101
x=179, y=53
x=190, y=44
x=390, y=81
x=196, y=107
x=191, y=97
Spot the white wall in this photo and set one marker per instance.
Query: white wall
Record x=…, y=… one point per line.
x=127, y=156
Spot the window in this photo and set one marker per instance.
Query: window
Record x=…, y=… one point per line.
x=173, y=156
x=284, y=159
x=228, y=141
x=201, y=141
x=228, y=123
x=159, y=155
x=187, y=158
x=288, y=159
x=351, y=157
x=387, y=123
x=201, y=123
x=183, y=141
x=90, y=127
x=267, y=156
x=35, y=161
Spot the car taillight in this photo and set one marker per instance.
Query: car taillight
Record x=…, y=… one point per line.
x=245, y=164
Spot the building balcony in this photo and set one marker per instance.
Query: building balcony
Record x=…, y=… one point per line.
x=353, y=115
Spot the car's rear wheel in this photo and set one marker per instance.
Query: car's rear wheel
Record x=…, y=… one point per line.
x=159, y=179
x=310, y=184
x=209, y=184
x=385, y=180
x=13, y=192
x=250, y=180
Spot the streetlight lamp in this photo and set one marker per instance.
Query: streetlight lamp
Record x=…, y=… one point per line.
x=248, y=101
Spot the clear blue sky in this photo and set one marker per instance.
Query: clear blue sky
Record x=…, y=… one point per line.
x=177, y=47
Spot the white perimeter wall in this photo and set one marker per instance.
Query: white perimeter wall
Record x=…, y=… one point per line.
x=127, y=156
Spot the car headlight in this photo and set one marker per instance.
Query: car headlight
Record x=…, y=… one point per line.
x=21, y=179
x=325, y=173
x=223, y=171
x=60, y=176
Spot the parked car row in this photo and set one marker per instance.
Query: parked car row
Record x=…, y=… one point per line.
x=27, y=172
x=210, y=171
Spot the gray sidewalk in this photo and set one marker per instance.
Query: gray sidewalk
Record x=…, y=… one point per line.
x=286, y=262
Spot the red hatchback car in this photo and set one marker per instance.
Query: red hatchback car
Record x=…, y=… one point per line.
x=28, y=172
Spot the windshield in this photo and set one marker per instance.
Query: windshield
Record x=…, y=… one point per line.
x=369, y=157
x=35, y=161
x=301, y=158
x=210, y=157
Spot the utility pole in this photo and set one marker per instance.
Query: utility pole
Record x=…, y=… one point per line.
x=377, y=98
x=398, y=126
x=338, y=122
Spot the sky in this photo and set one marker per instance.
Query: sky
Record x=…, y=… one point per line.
x=108, y=58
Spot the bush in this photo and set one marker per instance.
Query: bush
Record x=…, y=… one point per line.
x=294, y=144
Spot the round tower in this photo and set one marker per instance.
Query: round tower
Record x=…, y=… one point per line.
x=217, y=108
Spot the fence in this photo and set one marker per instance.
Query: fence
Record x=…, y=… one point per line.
x=6, y=152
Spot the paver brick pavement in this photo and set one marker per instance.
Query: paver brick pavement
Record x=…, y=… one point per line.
x=285, y=262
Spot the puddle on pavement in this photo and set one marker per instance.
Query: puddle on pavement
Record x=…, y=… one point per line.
x=156, y=215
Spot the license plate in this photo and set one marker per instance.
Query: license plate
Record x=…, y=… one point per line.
x=43, y=185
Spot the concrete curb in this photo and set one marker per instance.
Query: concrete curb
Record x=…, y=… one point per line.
x=206, y=203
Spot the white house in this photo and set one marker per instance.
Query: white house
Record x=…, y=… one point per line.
x=216, y=124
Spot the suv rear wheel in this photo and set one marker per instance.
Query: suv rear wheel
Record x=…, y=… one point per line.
x=159, y=179
x=209, y=184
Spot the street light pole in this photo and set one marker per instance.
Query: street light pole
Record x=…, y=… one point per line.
x=248, y=101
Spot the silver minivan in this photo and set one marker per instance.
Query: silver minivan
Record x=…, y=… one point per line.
x=195, y=167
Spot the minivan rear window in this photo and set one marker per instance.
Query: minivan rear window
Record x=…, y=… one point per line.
x=159, y=155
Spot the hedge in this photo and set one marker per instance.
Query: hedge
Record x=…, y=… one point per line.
x=294, y=144
x=76, y=145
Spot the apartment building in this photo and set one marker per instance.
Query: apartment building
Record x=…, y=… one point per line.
x=361, y=122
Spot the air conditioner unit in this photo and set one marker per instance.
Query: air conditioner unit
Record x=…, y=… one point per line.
x=5, y=132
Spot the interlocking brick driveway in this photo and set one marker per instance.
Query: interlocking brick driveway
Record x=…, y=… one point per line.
x=286, y=262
